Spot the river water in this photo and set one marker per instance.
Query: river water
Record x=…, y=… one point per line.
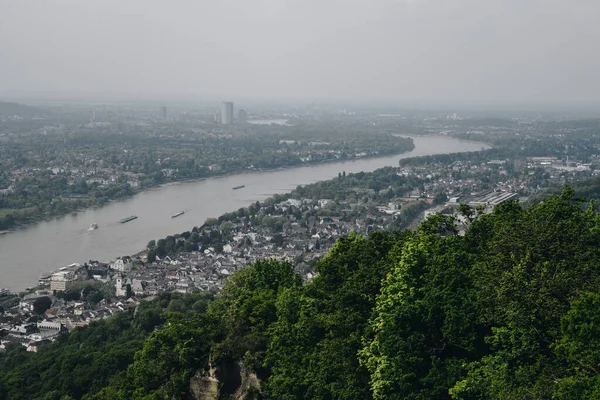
x=46, y=246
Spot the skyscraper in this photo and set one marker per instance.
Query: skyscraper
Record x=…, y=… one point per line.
x=163, y=112
x=226, y=113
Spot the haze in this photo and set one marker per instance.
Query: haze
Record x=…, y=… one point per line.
x=421, y=50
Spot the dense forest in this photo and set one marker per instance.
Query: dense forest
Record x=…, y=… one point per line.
x=509, y=309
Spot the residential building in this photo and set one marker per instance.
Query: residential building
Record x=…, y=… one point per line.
x=62, y=280
x=121, y=264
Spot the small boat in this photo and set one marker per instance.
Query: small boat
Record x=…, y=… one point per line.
x=239, y=187
x=93, y=227
x=130, y=218
x=178, y=214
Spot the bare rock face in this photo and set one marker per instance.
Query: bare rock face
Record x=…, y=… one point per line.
x=204, y=387
x=249, y=387
x=232, y=380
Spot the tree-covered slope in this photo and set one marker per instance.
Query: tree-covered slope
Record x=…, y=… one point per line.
x=507, y=310
x=86, y=360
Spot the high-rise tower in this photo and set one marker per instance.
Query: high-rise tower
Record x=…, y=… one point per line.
x=226, y=113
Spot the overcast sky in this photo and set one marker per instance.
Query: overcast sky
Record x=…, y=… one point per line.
x=401, y=50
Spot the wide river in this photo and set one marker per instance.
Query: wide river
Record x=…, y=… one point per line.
x=46, y=246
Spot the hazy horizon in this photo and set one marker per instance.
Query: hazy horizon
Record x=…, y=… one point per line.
x=439, y=52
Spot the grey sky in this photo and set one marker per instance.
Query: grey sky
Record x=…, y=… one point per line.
x=422, y=50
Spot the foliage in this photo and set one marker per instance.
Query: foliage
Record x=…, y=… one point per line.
x=246, y=309
x=507, y=309
x=84, y=361
x=314, y=343
x=164, y=365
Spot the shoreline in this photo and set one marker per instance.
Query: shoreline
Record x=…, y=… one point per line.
x=225, y=175
x=413, y=135
x=41, y=219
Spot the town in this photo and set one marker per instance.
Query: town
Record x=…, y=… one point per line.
x=300, y=227
x=288, y=199
x=59, y=160
x=55, y=161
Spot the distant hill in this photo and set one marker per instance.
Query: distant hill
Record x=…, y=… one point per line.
x=22, y=110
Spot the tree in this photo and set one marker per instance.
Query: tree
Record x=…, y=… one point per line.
x=151, y=257
x=536, y=260
x=246, y=309
x=189, y=246
x=211, y=222
x=422, y=331
x=440, y=198
x=314, y=342
x=161, y=248
x=168, y=359
x=129, y=292
x=277, y=240
x=226, y=227
x=95, y=297
x=41, y=305
x=68, y=295
x=580, y=347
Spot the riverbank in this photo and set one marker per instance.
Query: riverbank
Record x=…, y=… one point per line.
x=64, y=241
x=36, y=220
x=414, y=135
x=44, y=218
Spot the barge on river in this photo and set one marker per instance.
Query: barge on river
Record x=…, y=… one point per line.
x=130, y=218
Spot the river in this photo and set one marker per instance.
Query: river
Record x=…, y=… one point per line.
x=46, y=246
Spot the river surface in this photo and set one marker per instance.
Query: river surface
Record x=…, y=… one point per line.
x=47, y=246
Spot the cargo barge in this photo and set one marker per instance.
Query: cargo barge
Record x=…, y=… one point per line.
x=131, y=218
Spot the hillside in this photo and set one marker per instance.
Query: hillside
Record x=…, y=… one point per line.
x=510, y=310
